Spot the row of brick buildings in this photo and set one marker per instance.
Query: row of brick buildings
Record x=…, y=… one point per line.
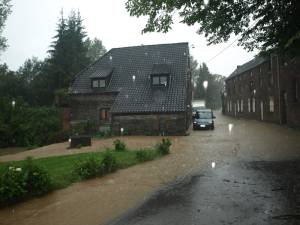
x=265, y=88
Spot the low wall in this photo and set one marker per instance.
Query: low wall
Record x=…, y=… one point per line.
x=150, y=124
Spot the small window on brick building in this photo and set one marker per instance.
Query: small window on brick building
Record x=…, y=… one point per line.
x=271, y=103
x=253, y=104
x=249, y=105
x=251, y=86
x=242, y=105
x=104, y=115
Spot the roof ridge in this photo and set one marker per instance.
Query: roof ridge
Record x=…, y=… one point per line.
x=150, y=45
x=257, y=60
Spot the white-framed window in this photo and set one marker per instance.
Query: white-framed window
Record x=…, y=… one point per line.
x=155, y=80
x=102, y=83
x=164, y=80
x=160, y=80
x=271, y=103
x=98, y=83
x=228, y=107
x=253, y=104
x=95, y=84
x=238, y=105
x=249, y=105
x=242, y=105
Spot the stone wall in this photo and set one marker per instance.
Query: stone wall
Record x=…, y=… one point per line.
x=87, y=106
x=150, y=124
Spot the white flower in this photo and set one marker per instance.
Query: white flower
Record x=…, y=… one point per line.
x=11, y=168
x=19, y=169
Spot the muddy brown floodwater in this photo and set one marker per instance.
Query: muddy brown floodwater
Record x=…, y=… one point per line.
x=247, y=150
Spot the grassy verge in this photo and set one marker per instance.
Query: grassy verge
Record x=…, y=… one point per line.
x=61, y=168
x=21, y=180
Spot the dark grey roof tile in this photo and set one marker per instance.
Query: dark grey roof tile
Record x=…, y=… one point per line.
x=139, y=62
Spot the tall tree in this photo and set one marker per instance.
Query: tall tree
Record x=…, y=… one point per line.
x=262, y=24
x=30, y=70
x=194, y=69
x=5, y=10
x=95, y=49
x=10, y=84
x=68, y=54
x=209, y=87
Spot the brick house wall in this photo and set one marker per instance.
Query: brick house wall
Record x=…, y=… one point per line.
x=290, y=84
x=87, y=106
x=273, y=79
x=151, y=124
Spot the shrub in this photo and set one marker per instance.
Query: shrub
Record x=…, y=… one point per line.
x=119, y=145
x=37, y=179
x=103, y=134
x=59, y=136
x=109, y=162
x=144, y=155
x=12, y=185
x=22, y=125
x=88, y=168
x=164, y=147
x=19, y=183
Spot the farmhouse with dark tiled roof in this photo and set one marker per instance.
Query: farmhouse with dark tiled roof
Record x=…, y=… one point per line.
x=137, y=90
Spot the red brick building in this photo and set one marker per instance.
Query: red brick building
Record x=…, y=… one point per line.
x=266, y=89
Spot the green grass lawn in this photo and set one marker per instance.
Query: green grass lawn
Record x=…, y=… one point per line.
x=61, y=168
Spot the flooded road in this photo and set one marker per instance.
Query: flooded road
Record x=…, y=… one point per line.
x=243, y=172
x=240, y=193
x=250, y=177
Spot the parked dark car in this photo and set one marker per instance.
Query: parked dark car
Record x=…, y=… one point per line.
x=204, y=119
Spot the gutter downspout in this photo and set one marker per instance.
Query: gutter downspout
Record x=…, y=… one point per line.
x=279, y=95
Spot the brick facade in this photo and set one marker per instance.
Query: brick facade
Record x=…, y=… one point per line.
x=268, y=92
x=88, y=106
x=150, y=124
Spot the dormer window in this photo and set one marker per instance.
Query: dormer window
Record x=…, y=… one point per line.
x=160, y=80
x=100, y=78
x=98, y=83
x=160, y=75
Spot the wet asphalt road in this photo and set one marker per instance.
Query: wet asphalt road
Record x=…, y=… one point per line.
x=255, y=180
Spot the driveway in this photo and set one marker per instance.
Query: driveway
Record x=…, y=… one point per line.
x=225, y=176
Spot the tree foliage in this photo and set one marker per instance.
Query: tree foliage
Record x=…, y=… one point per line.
x=215, y=84
x=38, y=81
x=95, y=49
x=5, y=10
x=22, y=125
x=68, y=54
x=261, y=24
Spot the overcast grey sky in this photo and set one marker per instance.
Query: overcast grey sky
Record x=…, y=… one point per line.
x=31, y=26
